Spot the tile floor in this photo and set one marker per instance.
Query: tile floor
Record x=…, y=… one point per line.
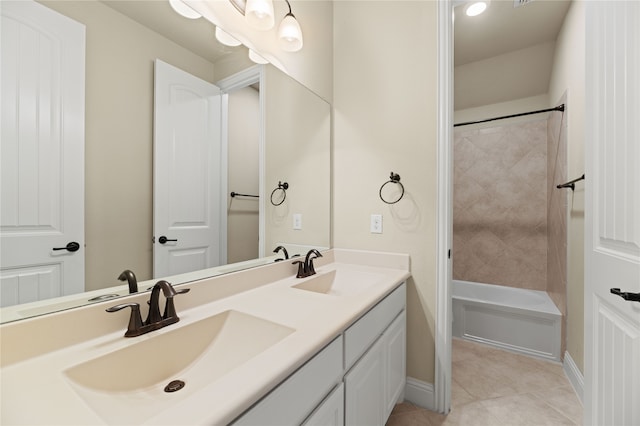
x=495, y=387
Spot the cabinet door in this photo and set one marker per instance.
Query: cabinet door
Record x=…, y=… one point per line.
x=331, y=411
x=394, y=339
x=364, y=389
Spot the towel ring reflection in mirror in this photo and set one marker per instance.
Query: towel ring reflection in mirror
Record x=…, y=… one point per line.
x=395, y=179
x=282, y=186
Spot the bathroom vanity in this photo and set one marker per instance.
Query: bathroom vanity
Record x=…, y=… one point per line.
x=253, y=347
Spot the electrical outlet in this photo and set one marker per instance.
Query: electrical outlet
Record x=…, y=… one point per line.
x=297, y=221
x=376, y=224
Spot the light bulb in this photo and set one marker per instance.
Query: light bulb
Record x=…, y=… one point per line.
x=226, y=38
x=290, y=34
x=257, y=58
x=181, y=8
x=259, y=14
x=475, y=9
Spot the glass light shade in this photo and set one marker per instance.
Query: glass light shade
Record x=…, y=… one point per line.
x=290, y=34
x=226, y=38
x=476, y=8
x=259, y=14
x=257, y=58
x=182, y=9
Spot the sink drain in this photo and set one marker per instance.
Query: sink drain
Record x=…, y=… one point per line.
x=174, y=386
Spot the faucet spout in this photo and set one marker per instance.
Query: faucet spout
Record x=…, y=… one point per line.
x=130, y=277
x=284, y=250
x=154, y=303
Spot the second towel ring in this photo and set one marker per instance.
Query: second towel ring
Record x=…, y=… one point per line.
x=282, y=186
x=394, y=178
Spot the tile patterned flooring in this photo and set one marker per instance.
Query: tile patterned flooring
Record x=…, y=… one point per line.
x=495, y=387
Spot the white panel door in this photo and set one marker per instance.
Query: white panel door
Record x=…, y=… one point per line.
x=42, y=150
x=187, y=177
x=612, y=235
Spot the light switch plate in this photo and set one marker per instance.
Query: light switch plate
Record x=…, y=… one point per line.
x=376, y=224
x=297, y=221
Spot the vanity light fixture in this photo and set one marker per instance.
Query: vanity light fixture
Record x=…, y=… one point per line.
x=289, y=32
x=476, y=8
x=259, y=14
x=226, y=38
x=182, y=9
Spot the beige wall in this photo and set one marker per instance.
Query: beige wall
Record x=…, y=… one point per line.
x=243, y=171
x=118, y=141
x=523, y=73
x=568, y=75
x=385, y=108
x=557, y=214
x=532, y=103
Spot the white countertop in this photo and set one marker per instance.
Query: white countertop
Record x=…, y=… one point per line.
x=36, y=389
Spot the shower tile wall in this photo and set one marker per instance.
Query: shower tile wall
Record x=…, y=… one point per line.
x=557, y=209
x=500, y=205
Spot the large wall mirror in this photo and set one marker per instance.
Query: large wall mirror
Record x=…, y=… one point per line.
x=278, y=131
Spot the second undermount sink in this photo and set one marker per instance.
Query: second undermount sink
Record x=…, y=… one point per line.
x=196, y=354
x=339, y=282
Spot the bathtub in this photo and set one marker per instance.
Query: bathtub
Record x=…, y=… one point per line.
x=519, y=320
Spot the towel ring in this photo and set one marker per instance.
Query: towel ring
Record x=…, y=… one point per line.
x=281, y=187
x=394, y=178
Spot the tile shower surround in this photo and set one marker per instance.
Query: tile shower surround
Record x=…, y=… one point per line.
x=509, y=221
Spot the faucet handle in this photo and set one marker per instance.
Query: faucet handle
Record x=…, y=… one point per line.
x=135, y=320
x=169, y=307
x=301, y=269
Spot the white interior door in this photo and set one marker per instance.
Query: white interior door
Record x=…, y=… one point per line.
x=42, y=147
x=612, y=235
x=188, y=179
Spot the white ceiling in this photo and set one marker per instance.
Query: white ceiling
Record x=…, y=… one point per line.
x=506, y=53
x=503, y=28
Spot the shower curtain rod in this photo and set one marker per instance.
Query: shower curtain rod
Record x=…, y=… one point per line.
x=558, y=108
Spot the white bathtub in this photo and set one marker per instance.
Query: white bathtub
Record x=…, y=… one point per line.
x=519, y=320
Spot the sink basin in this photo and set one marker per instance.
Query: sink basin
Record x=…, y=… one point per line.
x=128, y=384
x=339, y=282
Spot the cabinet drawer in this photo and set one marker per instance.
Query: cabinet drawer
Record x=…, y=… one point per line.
x=292, y=401
x=361, y=335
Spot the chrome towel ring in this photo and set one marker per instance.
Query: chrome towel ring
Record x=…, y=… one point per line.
x=394, y=178
x=282, y=186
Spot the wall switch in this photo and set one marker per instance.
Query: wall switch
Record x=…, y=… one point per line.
x=297, y=221
x=376, y=224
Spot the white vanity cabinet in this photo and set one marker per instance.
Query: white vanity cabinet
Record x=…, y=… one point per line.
x=377, y=379
x=331, y=411
x=291, y=401
x=355, y=380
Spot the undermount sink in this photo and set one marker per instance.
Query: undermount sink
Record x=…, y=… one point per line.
x=339, y=282
x=129, y=384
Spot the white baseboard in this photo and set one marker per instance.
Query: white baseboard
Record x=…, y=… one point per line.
x=420, y=393
x=574, y=375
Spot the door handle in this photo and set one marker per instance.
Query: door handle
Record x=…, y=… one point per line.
x=72, y=246
x=631, y=297
x=164, y=239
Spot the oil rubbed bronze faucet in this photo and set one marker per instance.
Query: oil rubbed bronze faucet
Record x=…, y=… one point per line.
x=306, y=269
x=154, y=319
x=284, y=250
x=130, y=277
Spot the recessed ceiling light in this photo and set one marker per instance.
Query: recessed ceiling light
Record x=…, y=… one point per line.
x=475, y=8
